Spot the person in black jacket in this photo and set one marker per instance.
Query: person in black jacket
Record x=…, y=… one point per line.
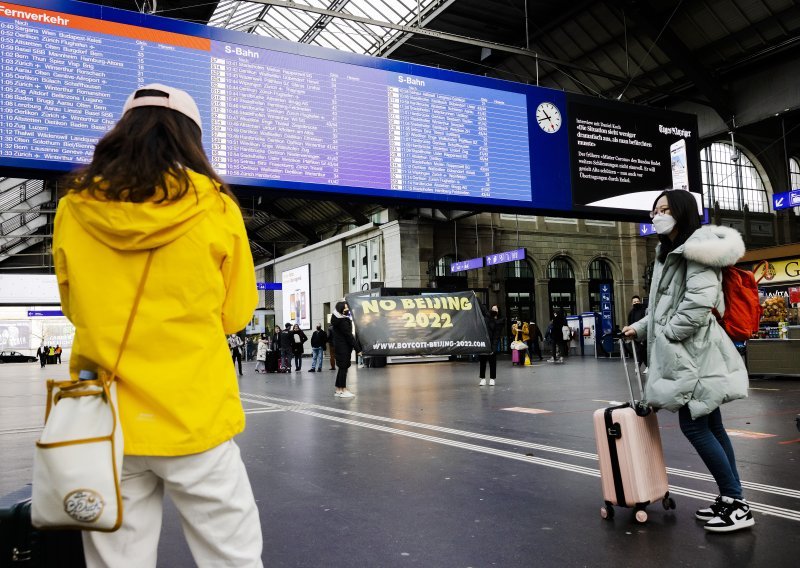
x=494, y=323
x=298, y=341
x=534, y=347
x=285, y=341
x=343, y=345
x=331, y=351
x=638, y=311
x=319, y=340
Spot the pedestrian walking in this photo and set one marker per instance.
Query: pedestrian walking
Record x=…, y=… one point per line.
x=235, y=344
x=261, y=354
x=319, y=341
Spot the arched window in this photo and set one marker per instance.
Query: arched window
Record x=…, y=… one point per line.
x=794, y=177
x=443, y=265
x=520, y=297
x=559, y=267
x=731, y=178
x=600, y=269
x=561, y=286
x=519, y=269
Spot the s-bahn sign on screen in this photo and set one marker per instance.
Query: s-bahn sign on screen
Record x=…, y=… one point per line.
x=297, y=117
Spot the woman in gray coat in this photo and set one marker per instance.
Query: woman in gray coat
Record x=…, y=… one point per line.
x=693, y=365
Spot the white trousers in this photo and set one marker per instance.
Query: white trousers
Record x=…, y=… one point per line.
x=213, y=496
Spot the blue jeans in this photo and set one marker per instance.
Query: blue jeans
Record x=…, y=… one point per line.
x=708, y=436
x=316, y=358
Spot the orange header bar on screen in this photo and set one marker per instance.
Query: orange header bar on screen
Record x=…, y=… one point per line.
x=71, y=21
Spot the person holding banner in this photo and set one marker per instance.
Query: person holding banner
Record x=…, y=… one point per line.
x=494, y=323
x=343, y=345
x=331, y=350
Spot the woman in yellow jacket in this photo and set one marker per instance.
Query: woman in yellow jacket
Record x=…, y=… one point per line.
x=150, y=187
x=520, y=331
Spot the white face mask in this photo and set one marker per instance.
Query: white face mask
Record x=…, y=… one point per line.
x=664, y=224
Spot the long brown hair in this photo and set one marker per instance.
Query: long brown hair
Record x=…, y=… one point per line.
x=135, y=159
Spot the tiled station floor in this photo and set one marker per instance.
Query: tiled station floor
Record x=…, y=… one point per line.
x=425, y=468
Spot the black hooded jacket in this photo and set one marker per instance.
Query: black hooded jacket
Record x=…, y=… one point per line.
x=495, y=327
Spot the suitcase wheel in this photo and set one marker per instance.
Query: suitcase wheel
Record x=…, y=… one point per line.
x=607, y=512
x=668, y=503
x=641, y=516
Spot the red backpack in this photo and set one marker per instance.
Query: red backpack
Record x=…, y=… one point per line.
x=742, y=309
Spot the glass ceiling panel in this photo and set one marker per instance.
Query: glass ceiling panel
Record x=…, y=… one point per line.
x=344, y=35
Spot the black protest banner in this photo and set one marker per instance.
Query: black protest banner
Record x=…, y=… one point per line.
x=433, y=324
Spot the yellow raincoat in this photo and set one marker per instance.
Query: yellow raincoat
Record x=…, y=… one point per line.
x=178, y=392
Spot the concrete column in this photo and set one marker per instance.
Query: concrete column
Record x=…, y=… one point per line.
x=581, y=296
x=408, y=246
x=543, y=303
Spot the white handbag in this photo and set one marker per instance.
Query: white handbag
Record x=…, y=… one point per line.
x=78, y=458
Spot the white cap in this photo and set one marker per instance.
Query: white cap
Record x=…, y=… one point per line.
x=175, y=99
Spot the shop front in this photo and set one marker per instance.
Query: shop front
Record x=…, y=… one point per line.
x=776, y=351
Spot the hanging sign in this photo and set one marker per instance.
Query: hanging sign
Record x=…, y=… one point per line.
x=786, y=199
x=503, y=257
x=605, y=312
x=463, y=265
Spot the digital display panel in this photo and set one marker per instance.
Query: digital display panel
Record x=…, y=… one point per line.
x=292, y=116
x=296, y=290
x=268, y=115
x=624, y=155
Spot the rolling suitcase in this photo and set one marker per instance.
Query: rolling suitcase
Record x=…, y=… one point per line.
x=515, y=356
x=632, y=469
x=271, y=362
x=23, y=545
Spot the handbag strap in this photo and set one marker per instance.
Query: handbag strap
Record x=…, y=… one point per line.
x=134, y=309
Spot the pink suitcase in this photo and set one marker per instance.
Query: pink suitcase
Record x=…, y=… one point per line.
x=632, y=469
x=515, y=356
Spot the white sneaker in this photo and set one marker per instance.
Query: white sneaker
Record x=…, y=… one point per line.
x=491, y=382
x=482, y=383
x=337, y=393
x=645, y=371
x=346, y=394
x=551, y=360
x=732, y=515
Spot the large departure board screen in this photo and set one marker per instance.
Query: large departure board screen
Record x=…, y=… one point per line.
x=297, y=117
x=268, y=115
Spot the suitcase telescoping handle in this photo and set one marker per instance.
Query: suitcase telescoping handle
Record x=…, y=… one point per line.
x=640, y=407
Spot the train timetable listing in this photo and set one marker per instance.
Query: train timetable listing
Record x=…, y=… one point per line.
x=465, y=140
x=64, y=84
x=280, y=116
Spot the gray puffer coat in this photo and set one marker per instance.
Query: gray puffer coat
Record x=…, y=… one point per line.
x=691, y=358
